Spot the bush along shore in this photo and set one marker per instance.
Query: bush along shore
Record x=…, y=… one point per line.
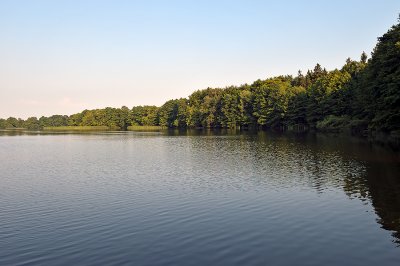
x=363, y=97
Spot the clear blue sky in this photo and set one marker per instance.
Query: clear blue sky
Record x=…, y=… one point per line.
x=60, y=57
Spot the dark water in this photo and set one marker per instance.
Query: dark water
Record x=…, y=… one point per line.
x=197, y=199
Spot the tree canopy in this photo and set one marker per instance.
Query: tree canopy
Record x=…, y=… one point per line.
x=363, y=95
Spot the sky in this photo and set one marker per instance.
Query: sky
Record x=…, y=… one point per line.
x=61, y=57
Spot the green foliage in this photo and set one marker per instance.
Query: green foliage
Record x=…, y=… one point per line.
x=325, y=94
x=379, y=88
x=3, y=123
x=53, y=121
x=144, y=115
x=173, y=113
x=362, y=95
x=204, y=108
x=13, y=122
x=271, y=99
x=109, y=117
x=32, y=123
x=297, y=109
x=231, y=105
x=333, y=123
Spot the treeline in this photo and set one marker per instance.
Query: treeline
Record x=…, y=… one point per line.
x=363, y=95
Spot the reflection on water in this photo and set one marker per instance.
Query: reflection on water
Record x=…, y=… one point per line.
x=364, y=170
x=197, y=197
x=381, y=186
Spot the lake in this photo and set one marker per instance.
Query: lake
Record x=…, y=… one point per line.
x=197, y=198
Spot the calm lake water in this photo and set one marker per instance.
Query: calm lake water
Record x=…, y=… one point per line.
x=197, y=198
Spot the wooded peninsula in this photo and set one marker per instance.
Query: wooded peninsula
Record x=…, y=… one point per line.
x=361, y=97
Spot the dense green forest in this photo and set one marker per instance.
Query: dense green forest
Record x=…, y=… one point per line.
x=362, y=96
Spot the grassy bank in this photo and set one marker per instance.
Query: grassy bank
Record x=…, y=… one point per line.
x=144, y=128
x=15, y=128
x=79, y=128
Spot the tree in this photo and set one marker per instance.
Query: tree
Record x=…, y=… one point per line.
x=364, y=93
x=3, y=123
x=13, y=122
x=378, y=93
x=32, y=123
x=363, y=58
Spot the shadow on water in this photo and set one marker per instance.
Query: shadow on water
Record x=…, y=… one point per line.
x=370, y=171
x=379, y=183
x=381, y=186
x=374, y=178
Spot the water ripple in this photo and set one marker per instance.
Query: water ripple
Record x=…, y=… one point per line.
x=160, y=199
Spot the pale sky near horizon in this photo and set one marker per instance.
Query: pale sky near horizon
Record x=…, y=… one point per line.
x=61, y=57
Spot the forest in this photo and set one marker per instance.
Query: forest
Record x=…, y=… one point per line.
x=361, y=97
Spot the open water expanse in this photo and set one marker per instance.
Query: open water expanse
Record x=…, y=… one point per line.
x=197, y=198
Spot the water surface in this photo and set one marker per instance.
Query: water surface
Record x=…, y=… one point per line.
x=197, y=198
